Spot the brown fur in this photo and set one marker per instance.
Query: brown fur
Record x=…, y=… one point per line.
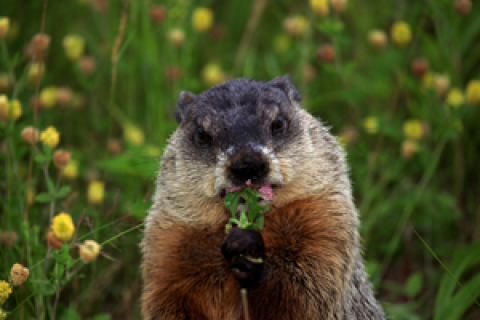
x=305, y=246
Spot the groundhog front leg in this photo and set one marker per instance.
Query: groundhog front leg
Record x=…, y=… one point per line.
x=309, y=257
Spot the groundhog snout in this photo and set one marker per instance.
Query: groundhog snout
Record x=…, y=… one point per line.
x=248, y=165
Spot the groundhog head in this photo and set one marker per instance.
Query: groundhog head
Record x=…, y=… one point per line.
x=248, y=132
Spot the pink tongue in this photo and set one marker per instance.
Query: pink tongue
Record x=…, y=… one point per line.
x=265, y=190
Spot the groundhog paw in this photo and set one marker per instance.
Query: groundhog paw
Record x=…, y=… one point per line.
x=244, y=250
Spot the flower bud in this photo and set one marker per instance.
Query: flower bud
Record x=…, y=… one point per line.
x=53, y=241
x=64, y=96
x=295, y=26
x=4, y=24
x=8, y=238
x=463, y=7
x=158, y=13
x=377, y=39
x=419, y=67
x=70, y=171
x=133, y=134
x=455, y=98
x=473, y=92
x=202, y=19
x=176, y=36
x=414, y=129
x=401, y=34
x=89, y=251
x=338, y=5
x=74, y=46
x=3, y=107
x=371, y=124
x=213, y=74
x=48, y=97
x=18, y=274
x=96, y=191
x=30, y=134
x=61, y=158
x=40, y=42
x=320, y=7
x=87, y=65
x=441, y=83
x=35, y=72
x=409, y=148
x=4, y=82
x=326, y=53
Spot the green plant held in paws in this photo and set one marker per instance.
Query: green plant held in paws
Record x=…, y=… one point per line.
x=254, y=219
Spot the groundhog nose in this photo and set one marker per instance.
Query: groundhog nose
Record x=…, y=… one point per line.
x=248, y=167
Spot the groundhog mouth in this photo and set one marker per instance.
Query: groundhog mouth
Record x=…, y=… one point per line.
x=265, y=190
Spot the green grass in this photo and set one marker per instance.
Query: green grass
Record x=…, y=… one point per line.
x=436, y=187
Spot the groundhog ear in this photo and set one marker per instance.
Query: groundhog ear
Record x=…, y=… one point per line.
x=184, y=101
x=285, y=83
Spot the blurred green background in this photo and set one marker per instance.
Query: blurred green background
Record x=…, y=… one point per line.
x=397, y=81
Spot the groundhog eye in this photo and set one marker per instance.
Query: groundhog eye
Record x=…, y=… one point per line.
x=278, y=125
x=202, y=137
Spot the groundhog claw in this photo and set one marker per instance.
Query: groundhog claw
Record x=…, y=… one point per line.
x=244, y=250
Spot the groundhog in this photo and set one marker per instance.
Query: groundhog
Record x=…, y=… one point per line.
x=252, y=132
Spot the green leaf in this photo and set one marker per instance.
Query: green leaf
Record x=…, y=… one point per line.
x=63, y=192
x=70, y=314
x=413, y=285
x=44, y=197
x=40, y=158
x=51, y=186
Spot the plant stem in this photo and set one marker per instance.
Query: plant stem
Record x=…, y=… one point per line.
x=243, y=293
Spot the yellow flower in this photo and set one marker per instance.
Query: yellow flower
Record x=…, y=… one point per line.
x=455, y=98
x=371, y=124
x=413, y=129
x=63, y=227
x=74, y=46
x=89, y=251
x=320, y=7
x=15, y=110
x=3, y=107
x=473, y=92
x=18, y=274
x=133, y=134
x=71, y=170
x=48, y=97
x=4, y=23
x=202, y=19
x=401, y=34
x=96, y=191
x=3, y=315
x=5, y=291
x=212, y=74
x=50, y=136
